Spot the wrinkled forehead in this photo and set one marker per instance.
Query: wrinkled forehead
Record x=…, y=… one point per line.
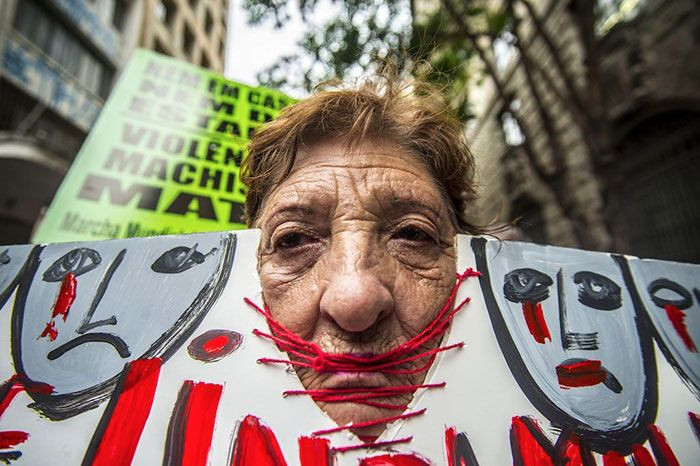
x=508, y=256
x=327, y=176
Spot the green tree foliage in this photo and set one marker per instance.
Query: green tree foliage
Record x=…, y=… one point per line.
x=362, y=34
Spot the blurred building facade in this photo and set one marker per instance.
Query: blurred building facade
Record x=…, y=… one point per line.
x=641, y=196
x=58, y=62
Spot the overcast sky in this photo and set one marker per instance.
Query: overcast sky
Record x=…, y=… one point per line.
x=252, y=49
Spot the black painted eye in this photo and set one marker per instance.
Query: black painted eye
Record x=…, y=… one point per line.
x=4, y=257
x=598, y=291
x=522, y=285
x=179, y=259
x=684, y=301
x=78, y=261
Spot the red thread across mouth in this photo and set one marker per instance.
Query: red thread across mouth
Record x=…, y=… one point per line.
x=583, y=373
x=311, y=356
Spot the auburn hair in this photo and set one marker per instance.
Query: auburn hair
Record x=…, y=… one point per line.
x=412, y=114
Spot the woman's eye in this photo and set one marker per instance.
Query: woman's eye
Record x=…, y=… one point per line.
x=412, y=234
x=292, y=240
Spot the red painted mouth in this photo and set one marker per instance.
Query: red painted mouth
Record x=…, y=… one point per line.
x=580, y=373
x=576, y=372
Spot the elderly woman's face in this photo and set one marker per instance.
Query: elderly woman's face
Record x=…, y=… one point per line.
x=356, y=256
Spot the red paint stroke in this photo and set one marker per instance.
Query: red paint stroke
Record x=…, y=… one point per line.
x=580, y=374
x=9, y=390
x=15, y=387
x=200, y=415
x=66, y=296
x=641, y=456
x=256, y=445
x=694, y=420
x=677, y=318
x=314, y=451
x=134, y=399
x=450, y=441
x=394, y=460
x=50, y=331
x=613, y=458
x=215, y=344
x=10, y=438
x=662, y=450
x=526, y=447
x=572, y=452
x=536, y=323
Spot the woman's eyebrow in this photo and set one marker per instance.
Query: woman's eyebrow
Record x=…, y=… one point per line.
x=414, y=205
x=296, y=210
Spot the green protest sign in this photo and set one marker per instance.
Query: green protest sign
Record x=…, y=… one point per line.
x=163, y=157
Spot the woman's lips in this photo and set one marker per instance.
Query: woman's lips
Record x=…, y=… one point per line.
x=340, y=380
x=577, y=372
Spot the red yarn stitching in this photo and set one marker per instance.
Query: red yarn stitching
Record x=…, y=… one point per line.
x=369, y=423
x=371, y=445
x=319, y=361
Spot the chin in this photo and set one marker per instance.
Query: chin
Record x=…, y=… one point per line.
x=347, y=413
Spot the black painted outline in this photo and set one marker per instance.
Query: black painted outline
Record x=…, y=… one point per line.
x=85, y=324
x=95, y=337
x=619, y=440
x=60, y=407
x=175, y=437
x=463, y=451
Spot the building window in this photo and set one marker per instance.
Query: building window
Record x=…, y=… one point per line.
x=188, y=41
x=119, y=14
x=53, y=39
x=193, y=4
x=205, y=61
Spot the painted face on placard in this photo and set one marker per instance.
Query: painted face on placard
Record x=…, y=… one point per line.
x=670, y=292
x=12, y=260
x=89, y=308
x=567, y=324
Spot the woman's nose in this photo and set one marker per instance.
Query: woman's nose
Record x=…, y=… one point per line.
x=355, y=299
